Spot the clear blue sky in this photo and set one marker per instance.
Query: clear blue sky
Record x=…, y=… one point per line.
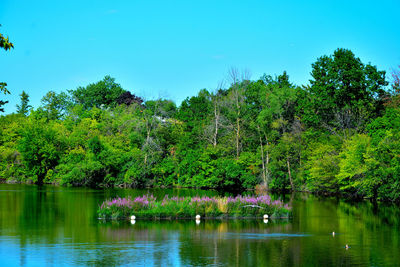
x=172, y=49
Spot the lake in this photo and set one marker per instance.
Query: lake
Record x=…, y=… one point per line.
x=45, y=226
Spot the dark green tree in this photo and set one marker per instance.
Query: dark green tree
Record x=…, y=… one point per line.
x=104, y=93
x=24, y=107
x=343, y=91
x=41, y=148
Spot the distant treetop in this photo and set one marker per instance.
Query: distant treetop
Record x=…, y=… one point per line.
x=102, y=93
x=128, y=98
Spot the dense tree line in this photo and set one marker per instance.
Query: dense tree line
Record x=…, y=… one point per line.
x=339, y=134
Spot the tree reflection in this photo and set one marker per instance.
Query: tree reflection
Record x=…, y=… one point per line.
x=41, y=223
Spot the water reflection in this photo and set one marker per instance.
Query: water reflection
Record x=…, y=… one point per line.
x=39, y=224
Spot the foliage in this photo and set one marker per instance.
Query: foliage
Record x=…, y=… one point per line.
x=41, y=148
x=333, y=136
x=103, y=93
x=24, y=107
x=54, y=106
x=385, y=168
x=3, y=89
x=128, y=98
x=322, y=168
x=5, y=42
x=353, y=175
x=6, y=45
x=342, y=84
x=383, y=156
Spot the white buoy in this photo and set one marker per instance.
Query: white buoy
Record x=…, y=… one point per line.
x=347, y=246
x=265, y=220
x=197, y=222
x=265, y=216
x=197, y=217
x=133, y=221
x=333, y=233
x=133, y=217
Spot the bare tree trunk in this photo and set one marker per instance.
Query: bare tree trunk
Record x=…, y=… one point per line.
x=148, y=129
x=237, y=124
x=237, y=100
x=264, y=171
x=216, y=116
x=264, y=177
x=267, y=174
x=234, y=76
x=237, y=137
x=290, y=175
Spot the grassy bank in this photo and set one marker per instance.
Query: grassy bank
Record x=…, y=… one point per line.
x=148, y=206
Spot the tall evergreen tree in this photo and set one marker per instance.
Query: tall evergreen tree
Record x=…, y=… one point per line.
x=23, y=108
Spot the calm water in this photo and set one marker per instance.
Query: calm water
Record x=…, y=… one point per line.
x=45, y=226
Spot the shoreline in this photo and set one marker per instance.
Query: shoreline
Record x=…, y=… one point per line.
x=261, y=191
